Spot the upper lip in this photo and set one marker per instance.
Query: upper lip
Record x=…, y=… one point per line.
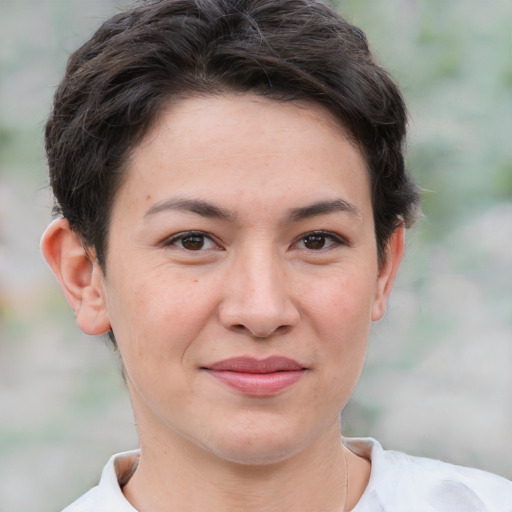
x=253, y=365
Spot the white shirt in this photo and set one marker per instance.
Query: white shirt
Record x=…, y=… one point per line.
x=398, y=483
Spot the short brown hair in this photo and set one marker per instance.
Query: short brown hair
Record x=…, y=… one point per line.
x=119, y=81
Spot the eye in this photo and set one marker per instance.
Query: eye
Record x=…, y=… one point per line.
x=192, y=241
x=318, y=240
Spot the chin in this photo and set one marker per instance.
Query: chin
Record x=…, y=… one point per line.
x=262, y=446
x=258, y=453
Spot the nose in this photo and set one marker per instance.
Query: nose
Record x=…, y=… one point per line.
x=257, y=298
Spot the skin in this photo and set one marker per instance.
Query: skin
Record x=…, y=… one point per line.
x=263, y=274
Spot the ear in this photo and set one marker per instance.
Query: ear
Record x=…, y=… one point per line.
x=80, y=277
x=387, y=272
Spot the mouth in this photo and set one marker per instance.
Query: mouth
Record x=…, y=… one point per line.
x=257, y=377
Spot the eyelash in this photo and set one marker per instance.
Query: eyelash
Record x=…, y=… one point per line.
x=336, y=240
x=205, y=238
x=189, y=234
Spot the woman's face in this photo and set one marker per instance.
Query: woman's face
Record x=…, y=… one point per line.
x=242, y=277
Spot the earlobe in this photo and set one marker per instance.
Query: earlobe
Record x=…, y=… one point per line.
x=80, y=278
x=387, y=273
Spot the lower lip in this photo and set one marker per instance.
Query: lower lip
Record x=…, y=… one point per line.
x=258, y=384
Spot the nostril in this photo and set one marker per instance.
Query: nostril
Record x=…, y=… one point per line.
x=243, y=329
x=283, y=329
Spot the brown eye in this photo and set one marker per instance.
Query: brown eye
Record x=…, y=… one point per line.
x=314, y=242
x=191, y=241
x=318, y=240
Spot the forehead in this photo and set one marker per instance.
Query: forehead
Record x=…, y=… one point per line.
x=215, y=115
x=244, y=145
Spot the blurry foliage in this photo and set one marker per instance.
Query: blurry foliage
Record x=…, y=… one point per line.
x=453, y=61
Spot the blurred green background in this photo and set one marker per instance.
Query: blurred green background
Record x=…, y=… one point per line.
x=438, y=380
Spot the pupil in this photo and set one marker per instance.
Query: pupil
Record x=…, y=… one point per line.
x=314, y=241
x=193, y=242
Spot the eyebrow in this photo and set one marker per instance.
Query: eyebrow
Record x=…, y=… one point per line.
x=206, y=209
x=323, y=208
x=198, y=206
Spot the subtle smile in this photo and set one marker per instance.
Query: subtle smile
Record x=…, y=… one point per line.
x=257, y=377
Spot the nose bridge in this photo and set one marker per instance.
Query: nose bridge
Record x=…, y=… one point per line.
x=258, y=297
x=264, y=279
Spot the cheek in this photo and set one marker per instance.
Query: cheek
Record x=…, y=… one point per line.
x=341, y=320
x=157, y=317
x=343, y=303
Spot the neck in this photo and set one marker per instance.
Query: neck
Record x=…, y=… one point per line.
x=182, y=476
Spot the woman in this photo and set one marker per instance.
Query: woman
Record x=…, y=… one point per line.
x=233, y=199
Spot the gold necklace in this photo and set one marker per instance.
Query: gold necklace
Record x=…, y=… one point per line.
x=346, y=483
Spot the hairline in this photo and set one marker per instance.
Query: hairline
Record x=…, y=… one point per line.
x=172, y=99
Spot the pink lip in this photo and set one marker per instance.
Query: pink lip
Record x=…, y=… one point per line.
x=257, y=377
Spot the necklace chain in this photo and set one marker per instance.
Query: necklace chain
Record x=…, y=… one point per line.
x=346, y=483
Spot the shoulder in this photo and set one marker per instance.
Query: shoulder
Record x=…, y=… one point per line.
x=403, y=482
x=108, y=494
x=86, y=503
